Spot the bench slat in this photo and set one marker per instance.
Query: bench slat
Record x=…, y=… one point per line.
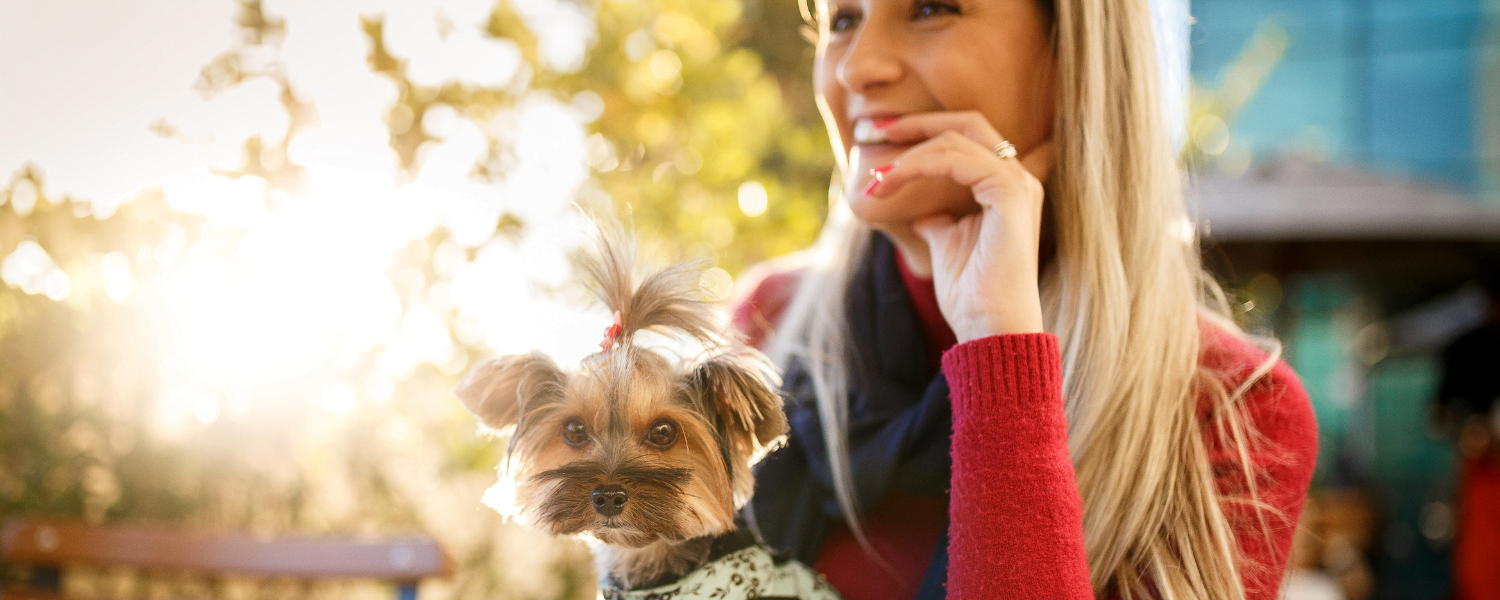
x=58, y=543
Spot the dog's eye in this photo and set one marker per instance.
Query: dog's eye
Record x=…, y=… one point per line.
x=574, y=433
x=663, y=434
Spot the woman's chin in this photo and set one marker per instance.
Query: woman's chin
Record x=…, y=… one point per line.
x=914, y=201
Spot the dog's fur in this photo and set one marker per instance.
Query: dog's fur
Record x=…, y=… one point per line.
x=724, y=410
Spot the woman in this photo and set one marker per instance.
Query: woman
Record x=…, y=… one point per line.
x=1009, y=364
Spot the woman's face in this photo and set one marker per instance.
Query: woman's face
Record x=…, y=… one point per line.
x=879, y=59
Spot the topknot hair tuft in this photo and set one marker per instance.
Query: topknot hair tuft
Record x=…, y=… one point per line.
x=667, y=300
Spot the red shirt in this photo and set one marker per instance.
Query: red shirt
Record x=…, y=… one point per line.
x=1016, y=515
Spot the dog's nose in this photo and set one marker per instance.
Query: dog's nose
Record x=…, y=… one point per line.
x=610, y=499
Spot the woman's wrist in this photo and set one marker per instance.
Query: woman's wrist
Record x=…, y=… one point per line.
x=1023, y=316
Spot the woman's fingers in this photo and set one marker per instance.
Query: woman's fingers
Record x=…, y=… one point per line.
x=946, y=239
x=934, y=229
x=983, y=262
x=953, y=156
x=918, y=127
x=913, y=128
x=949, y=239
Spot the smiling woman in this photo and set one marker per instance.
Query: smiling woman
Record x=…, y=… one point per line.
x=942, y=48
x=1022, y=384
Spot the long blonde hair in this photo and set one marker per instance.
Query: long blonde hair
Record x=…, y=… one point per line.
x=1125, y=295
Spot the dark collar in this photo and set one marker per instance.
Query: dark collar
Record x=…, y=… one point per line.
x=719, y=546
x=729, y=543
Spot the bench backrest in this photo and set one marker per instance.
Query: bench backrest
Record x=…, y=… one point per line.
x=53, y=544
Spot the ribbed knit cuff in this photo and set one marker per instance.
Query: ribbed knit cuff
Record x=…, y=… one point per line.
x=1003, y=368
x=1015, y=515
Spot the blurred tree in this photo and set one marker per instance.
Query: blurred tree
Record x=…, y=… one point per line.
x=70, y=362
x=700, y=129
x=688, y=115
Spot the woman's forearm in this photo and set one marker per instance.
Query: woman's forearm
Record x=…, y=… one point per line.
x=1016, y=519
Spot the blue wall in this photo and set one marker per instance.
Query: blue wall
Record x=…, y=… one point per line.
x=1388, y=83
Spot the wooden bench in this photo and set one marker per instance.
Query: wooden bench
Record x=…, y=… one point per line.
x=46, y=546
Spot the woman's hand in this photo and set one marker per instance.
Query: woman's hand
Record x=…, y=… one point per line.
x=984, y=264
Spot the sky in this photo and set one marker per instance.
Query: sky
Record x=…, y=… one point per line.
x=81, y=81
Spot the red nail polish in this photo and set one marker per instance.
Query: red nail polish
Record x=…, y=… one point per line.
x=872, y=186
x=882, y=169
x=882, y=123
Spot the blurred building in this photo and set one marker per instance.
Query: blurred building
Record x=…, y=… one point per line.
x=1347, y=182
x=1397, y=86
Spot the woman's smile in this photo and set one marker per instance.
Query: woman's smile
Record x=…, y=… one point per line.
x=867, y=131
x=871, y=146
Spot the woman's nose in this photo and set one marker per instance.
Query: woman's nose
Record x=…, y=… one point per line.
x=870, y=60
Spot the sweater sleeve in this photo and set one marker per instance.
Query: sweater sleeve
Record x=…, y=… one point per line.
x=1016, y=515
x=1282, y=456
x=757, y=309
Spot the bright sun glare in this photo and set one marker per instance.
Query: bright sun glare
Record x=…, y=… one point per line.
x=301, y=285
x=309, y=283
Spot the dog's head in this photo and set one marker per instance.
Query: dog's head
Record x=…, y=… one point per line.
x=632, y=447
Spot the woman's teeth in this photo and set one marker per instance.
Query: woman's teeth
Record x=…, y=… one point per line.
x=865, y=132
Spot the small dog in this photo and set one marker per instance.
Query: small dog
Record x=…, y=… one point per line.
x=647, y=458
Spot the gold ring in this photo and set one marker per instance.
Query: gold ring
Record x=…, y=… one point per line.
x=1004, y=149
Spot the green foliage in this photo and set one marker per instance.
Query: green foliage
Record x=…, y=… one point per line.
x=690, y=112
x=698, y=98
x=69, y=365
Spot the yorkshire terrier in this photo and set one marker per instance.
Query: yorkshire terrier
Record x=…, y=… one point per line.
x=648, y=458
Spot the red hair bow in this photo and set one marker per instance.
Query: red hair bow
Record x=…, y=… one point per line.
x=612, y=333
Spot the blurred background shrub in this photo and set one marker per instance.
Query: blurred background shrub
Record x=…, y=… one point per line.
x=265, y=341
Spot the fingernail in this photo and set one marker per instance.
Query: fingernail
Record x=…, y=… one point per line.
x=882, y=123
x=872, y=186
x=881, y=170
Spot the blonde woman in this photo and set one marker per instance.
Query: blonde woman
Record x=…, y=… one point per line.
x=1009, y=376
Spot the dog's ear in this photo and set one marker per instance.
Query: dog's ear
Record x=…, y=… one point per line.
x=497, y=391
x=742, y=389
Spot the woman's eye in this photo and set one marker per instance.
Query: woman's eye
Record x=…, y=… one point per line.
x=935, y=9
x=843, y=20
x=662, y=434
x=574, y=432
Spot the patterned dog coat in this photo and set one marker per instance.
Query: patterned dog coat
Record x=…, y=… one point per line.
x=743, y=571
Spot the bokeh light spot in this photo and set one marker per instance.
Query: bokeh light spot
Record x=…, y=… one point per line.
x=23, y=197
x=31, y=269
x=715, y=284
x=114, y=269
x=1211, y=134
x=753, y=198
x=338, y=398
x=206, y=409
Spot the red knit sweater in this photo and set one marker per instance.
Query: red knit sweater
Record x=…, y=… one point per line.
x=1016, y=516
